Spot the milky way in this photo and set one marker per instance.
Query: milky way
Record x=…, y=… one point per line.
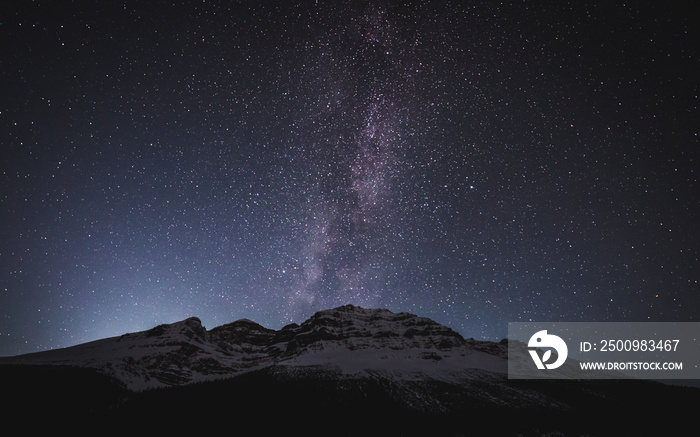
x=474, y=162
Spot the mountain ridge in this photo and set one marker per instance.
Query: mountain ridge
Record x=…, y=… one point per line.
x=349, y=338
x=345, y=371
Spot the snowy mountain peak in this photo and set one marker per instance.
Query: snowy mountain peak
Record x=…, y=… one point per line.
x=377, y=328
x=347, y=339
x=394, y=369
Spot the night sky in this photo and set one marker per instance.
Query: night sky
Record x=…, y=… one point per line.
x=474, y=162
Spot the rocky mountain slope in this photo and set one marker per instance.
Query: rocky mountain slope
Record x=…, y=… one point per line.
x=350, y=340
x=344, y=371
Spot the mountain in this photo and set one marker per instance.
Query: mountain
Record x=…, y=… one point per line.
x=344, y=371
x=348, y=339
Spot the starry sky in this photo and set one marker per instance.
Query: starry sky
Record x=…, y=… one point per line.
x=475, y=162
